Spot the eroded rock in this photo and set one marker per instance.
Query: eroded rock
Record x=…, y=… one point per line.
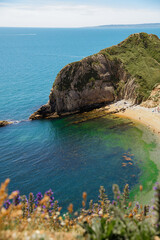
x=4, y=123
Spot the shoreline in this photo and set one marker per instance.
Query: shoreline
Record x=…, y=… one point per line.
x=146, y=118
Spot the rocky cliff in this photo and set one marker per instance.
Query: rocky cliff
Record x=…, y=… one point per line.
x=128, y=70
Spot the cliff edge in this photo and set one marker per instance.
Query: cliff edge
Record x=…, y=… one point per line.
x=129, y=70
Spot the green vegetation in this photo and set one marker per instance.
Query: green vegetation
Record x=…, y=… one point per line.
x=40, y=217
x=140, y=55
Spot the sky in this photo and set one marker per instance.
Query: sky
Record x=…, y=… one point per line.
x=77, y=13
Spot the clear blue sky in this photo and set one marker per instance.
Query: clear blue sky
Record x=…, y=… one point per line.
x=77, y=13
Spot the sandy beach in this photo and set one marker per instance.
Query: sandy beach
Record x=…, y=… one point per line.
x=150, y=117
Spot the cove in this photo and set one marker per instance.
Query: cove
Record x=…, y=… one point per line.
x=71, y=157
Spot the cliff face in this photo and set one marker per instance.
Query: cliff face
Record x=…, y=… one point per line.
x=98, y=79
x=84, y=85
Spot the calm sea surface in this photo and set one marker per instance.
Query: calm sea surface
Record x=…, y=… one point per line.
x=69, y=158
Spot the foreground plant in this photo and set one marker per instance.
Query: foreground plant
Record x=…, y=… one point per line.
x=40, y=217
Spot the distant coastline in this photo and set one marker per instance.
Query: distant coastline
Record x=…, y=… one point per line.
x=143, y=25
x=138, y=25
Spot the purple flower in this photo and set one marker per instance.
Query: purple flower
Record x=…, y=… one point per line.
x=16, y=200
x=7, y=204
x=49, y=193
x=51, y=205
x=137, y=205
x=39, y=197
x=52, y=198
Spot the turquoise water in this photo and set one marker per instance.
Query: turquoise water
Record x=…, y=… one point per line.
x=69, y=158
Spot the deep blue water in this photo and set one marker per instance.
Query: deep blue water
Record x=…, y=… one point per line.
x=58, y=154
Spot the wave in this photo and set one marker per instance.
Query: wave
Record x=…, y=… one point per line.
x=18, y=121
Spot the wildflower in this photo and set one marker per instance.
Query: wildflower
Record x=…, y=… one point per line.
x=55, y=206
x=130, y=204
x=63, y=223
x=76, y=214
x=44, y=200
x=83, y=203
x=135, y=210
x=24, y=205
x=84, y=196
x=146, y=210
x=7, y=204
x=106, y=215
x=91, y=204
x=70, y=208
x=130, y=215
x=16, y=199
x=104, y=199
x=7, y=181
x=137, y=205
x=3, y=211
x=59, y=209
x=39, y=197
x=31, y=202
x=13, y=194
x=141, y=188
x=49, y=193
x=125, y=195
x=100, y=212
x=116, y=191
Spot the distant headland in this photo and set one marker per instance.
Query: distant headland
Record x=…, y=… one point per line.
x=142, y=25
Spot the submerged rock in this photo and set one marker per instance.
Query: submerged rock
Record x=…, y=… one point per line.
x=4, y=123
x=112, y=74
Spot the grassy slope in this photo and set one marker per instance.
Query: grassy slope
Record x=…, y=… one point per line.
x=140, y=54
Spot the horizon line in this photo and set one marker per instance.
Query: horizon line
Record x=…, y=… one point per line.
x=96, y=26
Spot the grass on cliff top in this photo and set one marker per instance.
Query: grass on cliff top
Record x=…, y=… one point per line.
x=140, y=54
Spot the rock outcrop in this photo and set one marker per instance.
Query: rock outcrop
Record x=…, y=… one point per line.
x=154, y=98
x=82, y=86
x=102, y=78
x=5, y=123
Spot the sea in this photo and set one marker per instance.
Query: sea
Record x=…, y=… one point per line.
x=64, y=155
